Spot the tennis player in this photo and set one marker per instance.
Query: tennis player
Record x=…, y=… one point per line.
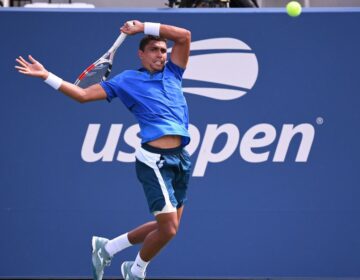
x=154, y=95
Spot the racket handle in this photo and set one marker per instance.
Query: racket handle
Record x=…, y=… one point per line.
x=120, y=39
x=118, y=42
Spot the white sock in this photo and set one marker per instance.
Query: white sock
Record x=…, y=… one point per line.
x=139, y=267
x=117, y=244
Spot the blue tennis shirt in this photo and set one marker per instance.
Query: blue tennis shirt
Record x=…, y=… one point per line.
x=155, y=99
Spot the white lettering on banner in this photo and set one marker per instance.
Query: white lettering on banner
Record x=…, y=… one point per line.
x=107, y=153
x=132, y=140
x=288, y=132
x=252, y=147
x=257, y=136
x=249, y=142
x=206, y=155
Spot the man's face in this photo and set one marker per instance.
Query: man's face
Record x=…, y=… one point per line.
x=154, y=56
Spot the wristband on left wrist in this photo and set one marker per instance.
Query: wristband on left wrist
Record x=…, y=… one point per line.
x=53, y=81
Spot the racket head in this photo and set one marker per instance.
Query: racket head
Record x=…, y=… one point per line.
x=100, y=69
x=95, y=73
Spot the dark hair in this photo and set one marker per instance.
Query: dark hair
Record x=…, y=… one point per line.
x=147, y=39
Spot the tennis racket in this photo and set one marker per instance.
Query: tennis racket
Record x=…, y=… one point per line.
x=101, y=68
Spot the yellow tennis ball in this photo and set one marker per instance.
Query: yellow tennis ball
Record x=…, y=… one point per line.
x=293, y=9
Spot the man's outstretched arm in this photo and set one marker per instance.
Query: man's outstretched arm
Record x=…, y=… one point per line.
x=34, y=68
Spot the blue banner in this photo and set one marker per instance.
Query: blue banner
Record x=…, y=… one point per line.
x=273, y=110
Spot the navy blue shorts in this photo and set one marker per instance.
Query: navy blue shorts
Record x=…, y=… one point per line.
x=164, y=174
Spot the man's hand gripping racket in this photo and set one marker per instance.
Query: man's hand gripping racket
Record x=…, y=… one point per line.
x=101, y=68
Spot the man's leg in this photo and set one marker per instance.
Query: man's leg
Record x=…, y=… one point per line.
x=158, y=184
x=167, y=227
x=138, y=235
x=128, y=239
x=135, y=236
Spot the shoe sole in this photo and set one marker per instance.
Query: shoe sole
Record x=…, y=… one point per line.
x=93, y=244
x=123, y=270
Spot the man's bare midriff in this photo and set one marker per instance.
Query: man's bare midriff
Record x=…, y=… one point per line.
x=166, y=142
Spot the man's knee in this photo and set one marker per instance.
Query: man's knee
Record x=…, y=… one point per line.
x=168, y=227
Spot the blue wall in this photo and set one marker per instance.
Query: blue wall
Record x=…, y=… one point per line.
x=275, y=189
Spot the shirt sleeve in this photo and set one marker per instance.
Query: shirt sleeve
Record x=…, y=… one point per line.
x=109, y=90
x=112, y=87
x=177, y=70
x=115, y=88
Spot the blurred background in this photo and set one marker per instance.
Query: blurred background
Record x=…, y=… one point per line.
x=176, y=3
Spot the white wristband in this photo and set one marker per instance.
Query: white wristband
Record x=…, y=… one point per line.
x=53, y=81
x=152, y=28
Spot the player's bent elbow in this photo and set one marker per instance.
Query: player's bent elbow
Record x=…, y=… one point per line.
x=187, y=36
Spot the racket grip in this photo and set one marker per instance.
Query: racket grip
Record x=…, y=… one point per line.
x=118, y=41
